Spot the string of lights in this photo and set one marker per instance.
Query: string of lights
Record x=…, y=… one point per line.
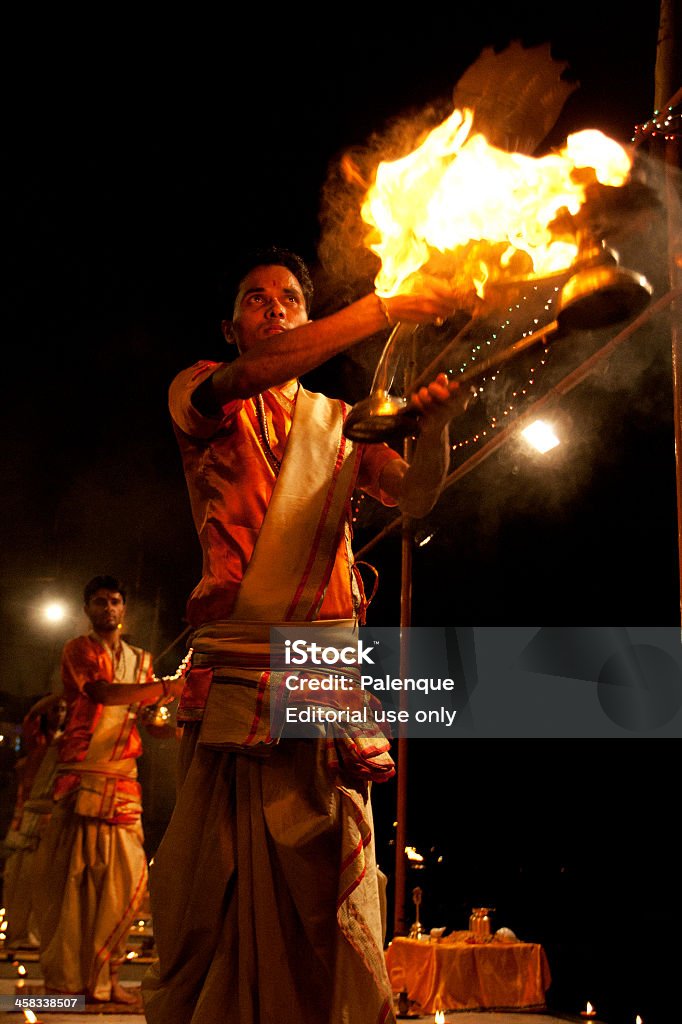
x=523, y=389
x=665, y=123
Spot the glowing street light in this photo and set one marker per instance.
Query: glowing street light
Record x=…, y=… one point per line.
x=541, y=436
x=55, y=612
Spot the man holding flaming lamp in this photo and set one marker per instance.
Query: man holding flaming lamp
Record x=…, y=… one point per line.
x=264, y=889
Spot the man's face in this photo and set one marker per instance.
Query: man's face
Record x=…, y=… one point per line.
x=105, y=609
x=269, y=302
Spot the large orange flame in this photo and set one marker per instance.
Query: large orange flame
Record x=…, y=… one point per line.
x=470, y=212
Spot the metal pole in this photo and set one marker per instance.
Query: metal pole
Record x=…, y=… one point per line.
x=171, y=645
x=667, y=54
x=407, y=539
x=399, y=927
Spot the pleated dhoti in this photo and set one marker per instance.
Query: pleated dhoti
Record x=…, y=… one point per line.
x=265, y=897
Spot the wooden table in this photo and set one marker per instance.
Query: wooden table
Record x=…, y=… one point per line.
x=460, y=975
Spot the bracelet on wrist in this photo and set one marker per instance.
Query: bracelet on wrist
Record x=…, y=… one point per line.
x=385, y=310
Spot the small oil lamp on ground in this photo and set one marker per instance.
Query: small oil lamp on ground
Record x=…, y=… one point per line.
x=20, y=984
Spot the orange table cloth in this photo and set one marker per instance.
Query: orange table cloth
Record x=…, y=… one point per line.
x=456, y=975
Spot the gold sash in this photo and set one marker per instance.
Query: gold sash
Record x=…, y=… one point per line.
x=294, y=555
x=246, y=700
x=108, y=789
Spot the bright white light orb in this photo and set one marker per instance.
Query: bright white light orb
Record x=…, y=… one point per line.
x=541, y=436
x=55, y=611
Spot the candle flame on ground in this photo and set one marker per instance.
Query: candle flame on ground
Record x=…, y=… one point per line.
x=439, y=1018
x=466, y=211
x=30, y=1016
x=589, y=1008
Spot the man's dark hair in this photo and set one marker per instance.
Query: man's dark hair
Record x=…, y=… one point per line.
x=271, y=256
x=103, y=583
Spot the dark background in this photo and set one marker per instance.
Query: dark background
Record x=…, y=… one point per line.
x=134, y=167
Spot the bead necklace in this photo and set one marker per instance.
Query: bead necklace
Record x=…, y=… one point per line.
x=259, y=406
x=265, y=434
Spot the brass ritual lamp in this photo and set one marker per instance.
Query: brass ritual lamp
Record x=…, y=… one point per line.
x=598, y=292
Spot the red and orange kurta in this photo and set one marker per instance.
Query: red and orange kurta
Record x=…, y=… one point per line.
x=92, y=870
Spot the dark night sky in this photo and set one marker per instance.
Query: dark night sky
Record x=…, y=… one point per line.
x=130, y=178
